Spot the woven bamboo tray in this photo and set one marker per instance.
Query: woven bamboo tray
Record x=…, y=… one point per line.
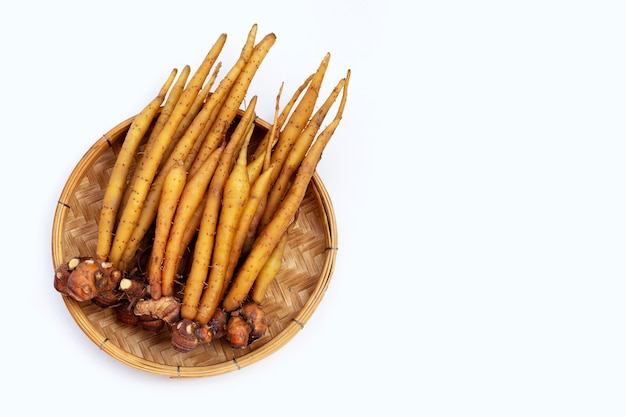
x=291, y=299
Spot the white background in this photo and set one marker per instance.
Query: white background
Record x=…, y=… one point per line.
x=478, y=181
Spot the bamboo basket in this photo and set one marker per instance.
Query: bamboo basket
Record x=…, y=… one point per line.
x=291, y=299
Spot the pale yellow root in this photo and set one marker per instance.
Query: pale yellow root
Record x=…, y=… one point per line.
x=234, y=199
x=255, y=167
x=166, y=111
x=190, y=199
x=207, y=106
x=198, y=103
x=193, y=226
x=193, y=112
x=172, y=189
x=114, y=192
x=258, y=192
x=269, y=271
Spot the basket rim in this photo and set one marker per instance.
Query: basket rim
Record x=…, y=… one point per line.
x=180, y=371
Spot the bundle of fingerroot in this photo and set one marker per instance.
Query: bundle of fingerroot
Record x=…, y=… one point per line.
x=195, y=217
